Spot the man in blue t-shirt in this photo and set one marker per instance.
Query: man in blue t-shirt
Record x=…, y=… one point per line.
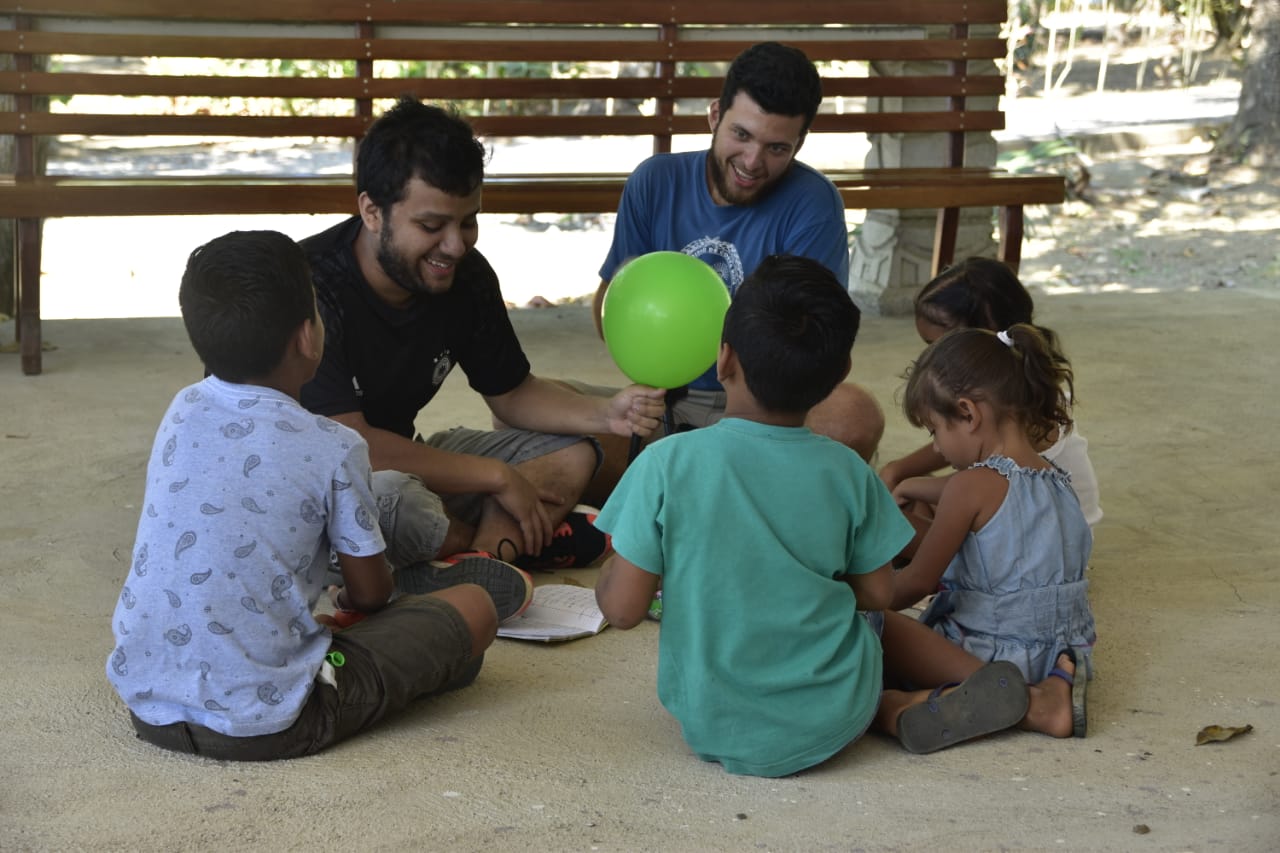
x=744, y=199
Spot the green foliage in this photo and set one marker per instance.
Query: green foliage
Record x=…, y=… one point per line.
x=1129, y=258
x=311, y=68
x=1039, y=156
x=1059, y=156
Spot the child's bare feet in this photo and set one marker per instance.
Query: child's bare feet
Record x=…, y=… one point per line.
x=1050, y=712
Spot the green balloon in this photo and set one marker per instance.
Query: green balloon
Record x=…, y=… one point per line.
x=662, y=318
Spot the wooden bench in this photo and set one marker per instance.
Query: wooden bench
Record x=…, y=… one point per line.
x=519, y=69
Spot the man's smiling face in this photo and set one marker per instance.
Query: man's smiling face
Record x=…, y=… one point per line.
x=751, y=150
x=424, y=236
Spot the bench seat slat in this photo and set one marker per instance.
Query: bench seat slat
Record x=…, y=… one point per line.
x=558, y=193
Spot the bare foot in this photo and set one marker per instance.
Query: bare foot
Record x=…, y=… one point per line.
x=1050, y=711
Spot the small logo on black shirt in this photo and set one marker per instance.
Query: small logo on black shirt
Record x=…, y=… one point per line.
x=443, y=365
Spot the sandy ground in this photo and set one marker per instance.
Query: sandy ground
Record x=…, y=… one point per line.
x=1165, y=294
x=566, y=747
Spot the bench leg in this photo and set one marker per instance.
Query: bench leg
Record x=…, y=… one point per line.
x=944, y=239
x=27, y=328
x=1011, y=236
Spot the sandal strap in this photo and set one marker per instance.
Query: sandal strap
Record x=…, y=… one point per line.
x=937, y=691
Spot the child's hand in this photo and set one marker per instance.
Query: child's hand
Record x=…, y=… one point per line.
x=919, y=489
x=918, y=463
x=900, y=494
x=326, y=619
x=343, y=616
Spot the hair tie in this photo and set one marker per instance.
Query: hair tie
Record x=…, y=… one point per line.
x=1005, y=339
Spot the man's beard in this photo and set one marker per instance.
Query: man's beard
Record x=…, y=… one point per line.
x=397, y=268
x=730, y=192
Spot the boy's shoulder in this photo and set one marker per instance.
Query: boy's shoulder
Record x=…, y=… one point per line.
x=236, y=411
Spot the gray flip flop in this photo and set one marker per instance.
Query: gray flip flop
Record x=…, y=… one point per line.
x=1079, y=693
x=992, y=699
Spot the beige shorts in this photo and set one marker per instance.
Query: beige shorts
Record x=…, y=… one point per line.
x=415, y=520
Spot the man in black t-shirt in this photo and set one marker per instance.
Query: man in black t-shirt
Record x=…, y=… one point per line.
x=405, y=297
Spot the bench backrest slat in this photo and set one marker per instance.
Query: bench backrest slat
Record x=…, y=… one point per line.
x=509, y=50
x=706, y=88
x=538, y=11
x=558, y=68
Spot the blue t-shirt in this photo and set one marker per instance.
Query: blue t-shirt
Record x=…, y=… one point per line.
x=761, y=657
x=666, y=206
x=245, y=492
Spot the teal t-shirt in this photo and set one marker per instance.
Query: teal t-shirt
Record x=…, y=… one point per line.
x=761, y=658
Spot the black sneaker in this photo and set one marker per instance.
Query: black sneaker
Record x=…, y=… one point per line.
x=510, y=588
x=576, y=543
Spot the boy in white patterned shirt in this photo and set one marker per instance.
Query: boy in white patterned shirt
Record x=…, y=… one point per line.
x=218, y=652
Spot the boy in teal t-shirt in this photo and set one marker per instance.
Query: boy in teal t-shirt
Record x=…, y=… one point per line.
x=765, y=539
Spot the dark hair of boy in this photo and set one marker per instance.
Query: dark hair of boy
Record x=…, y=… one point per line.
x=778, y=77
x=417, y=140
x=1021, y=380
x=980, y=293
x=792, y=326
x=243, y=295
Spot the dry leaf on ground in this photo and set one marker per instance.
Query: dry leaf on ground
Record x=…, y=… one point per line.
x=1210, y=734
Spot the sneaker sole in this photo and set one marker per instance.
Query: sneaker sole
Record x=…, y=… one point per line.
x=510, y=588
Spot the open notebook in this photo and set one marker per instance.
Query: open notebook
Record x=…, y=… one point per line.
x=558, y=612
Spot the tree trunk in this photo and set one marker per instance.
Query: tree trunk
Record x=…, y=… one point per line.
x=1253, y=137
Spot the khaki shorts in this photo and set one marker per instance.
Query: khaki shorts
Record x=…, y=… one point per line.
x=415, y=520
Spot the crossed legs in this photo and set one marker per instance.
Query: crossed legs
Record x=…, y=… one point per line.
x=916, y=655
x=563, y=473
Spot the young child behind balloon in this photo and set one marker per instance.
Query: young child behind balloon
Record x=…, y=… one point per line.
x=766, y=539
x=981, y=293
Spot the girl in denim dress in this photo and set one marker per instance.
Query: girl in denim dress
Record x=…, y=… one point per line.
x=1004, y=543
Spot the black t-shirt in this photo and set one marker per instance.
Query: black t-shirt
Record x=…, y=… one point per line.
x=388, y=362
